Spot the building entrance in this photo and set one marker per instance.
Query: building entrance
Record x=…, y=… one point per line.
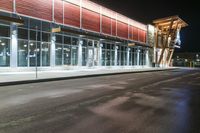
x=92, y=53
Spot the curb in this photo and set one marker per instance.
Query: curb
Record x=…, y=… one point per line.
x=74, y=77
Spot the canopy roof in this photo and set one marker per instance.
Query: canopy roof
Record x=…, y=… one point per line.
x=165, y=22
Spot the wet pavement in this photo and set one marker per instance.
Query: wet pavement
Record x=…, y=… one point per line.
x=150, y=102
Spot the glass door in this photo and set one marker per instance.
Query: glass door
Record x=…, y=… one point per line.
x=90, y=57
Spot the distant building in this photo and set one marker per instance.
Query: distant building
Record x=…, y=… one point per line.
x=186, y=59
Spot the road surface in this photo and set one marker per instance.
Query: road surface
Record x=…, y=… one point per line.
x=151, y=102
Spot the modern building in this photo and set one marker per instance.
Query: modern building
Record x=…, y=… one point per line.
x=71, y=34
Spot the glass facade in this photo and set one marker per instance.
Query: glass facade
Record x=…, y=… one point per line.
x=4, y=45
x=4, y=52
x=35, y=48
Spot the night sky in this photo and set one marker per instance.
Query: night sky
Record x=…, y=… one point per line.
x=147, y=10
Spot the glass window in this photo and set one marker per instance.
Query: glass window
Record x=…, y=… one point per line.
x=67, y=40
x=103, y=57
x=90, y=43
x=67, y=55
x=35, y=23
x=113, y=57
x=33, y=52
x=104, y=46
x=108, y=46
x=84, y=43
x=118, y=57
x=59, y=53
x=135, y=57
x=84, y=56
x=122, y=58
x=4, y=52
x=108, y=58
x=74, y=55
x=45, y=50
x=46, y=26
x=96, y=43
x=22, y=53
x=33, y=35
x=58, y=38
x=75, y=41
x=4, y=31
x=46, y=37
x=22, y=33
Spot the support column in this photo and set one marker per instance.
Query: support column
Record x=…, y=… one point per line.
x=116, y=49
x=127, y=60
x=100, y=53
x=53, y=50
x=13, y=46
x=138, y=56
x=147, y=57
x=80, y=52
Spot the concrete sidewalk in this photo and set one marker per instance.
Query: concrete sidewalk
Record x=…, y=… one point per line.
x=13, y=78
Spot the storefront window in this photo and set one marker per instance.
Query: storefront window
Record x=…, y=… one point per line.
x=74, y=55
x=45, y=49
x=5, y=31
x=33, y=35
x=46, y=37
x=4, y=52
x=108, y=57
x=130, y=57
x=22, y=53
x=22, y=33
x=84, y=53
x=59, y=53
x=33, y=52
x=84, y=56
x=67, y=54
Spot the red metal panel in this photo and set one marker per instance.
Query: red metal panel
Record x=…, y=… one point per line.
x=91, y=20
x=142, y=36
x=6, y=5
x=122, y=29
x=130, y=32
x=72, y=14
x=35, y=8
x=135, y=33
x=106, y=25
x=58, y=11
x=113, y=27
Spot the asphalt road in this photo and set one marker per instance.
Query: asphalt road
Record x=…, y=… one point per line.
x=151, y=102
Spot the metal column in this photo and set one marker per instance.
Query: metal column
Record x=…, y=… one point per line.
x=138, y=56
x=116, y=49
x=80, y=52
x=13, y=46
x=53, y=50
x=127, y=60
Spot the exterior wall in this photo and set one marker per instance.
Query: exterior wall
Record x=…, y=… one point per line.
x=6, y=5
x=37, y=8
x=80, y=14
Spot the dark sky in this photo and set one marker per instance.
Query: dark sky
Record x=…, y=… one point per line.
x=147, y=10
